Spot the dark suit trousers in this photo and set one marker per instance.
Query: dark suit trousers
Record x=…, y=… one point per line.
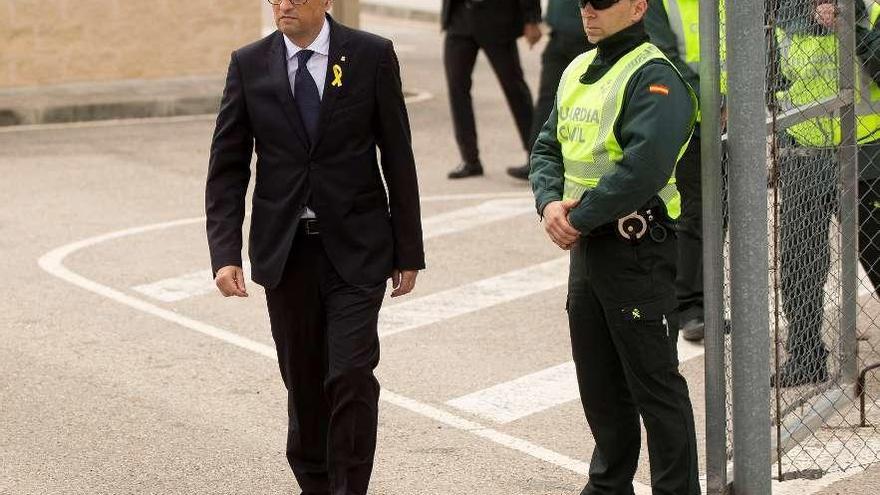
x=459, y=57
x=325, y=332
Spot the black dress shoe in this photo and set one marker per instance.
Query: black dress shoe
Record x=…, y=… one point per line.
x=693, y=330
x=802, y=371
x=521, y=172
x=465, y=169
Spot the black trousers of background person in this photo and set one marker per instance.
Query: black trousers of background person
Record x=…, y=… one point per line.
x=808, y=187
x=459, y=56
x=689, y=280
x=561, y=49
x=325, y=332
x=623, y=324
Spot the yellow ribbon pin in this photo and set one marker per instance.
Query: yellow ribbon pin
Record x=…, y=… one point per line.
x=337, y=76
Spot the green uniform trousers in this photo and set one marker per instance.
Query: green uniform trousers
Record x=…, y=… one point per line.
x=623, y=322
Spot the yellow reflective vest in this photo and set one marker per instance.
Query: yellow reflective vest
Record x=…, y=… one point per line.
x=586, y=116
x=809, y=62
x=684, y=20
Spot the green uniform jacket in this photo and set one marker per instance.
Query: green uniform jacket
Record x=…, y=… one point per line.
x=663, y=37
x=651, y=130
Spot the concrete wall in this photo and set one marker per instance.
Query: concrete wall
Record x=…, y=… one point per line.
x=62, y=41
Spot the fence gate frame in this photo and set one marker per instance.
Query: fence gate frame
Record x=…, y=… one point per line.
x=757, y=443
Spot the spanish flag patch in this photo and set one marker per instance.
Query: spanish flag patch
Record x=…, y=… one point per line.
x=658, y=89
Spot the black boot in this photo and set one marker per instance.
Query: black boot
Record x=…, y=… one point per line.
x=465, y=169
x=802, y=369
x=521, y=172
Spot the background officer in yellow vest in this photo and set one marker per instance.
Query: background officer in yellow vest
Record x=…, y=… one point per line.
x=602, y=174
x=808, y=171
x=674, y=28
x=567, y=41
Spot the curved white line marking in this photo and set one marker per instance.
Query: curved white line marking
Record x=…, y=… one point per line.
x=53, y=263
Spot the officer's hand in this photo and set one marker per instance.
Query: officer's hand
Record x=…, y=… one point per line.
x=230, y=281
x=532, y=32
x=826, y=15
x=403, y=282
x=557, y=226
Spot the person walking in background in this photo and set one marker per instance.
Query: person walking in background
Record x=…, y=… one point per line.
x=567, y=41
x=318, y=99
x=602, y=171
x=809, y=171
x=492, y=26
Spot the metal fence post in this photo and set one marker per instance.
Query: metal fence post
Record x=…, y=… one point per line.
x=849, y=197
x=713, y=248
x=748, y=247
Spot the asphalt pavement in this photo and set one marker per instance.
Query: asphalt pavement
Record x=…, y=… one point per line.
x=124, y=372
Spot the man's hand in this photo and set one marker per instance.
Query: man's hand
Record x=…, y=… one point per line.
x=826, y=15
x=230, y=281
x=557, y=225
x=403, y=282
x=532, y=32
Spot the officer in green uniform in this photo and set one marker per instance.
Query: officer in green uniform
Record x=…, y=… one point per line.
x=808, y=172
x=602, y=171
x=674, y=28
x=567, y=41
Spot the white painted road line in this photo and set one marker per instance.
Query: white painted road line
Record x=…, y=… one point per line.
x=463, y=219
x=53, y=263
x=201, y=282
x=523, y=396
x=539, y=391
x=458, y=301
x=185, y=286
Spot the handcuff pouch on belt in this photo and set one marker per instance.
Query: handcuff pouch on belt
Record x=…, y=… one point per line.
x=633, y=227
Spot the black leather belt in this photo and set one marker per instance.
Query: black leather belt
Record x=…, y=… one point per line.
x=309, y=226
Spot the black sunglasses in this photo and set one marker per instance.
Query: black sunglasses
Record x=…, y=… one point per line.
x=598, y=4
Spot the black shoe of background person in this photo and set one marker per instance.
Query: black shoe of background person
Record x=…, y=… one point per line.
x=695, y=329
x=802, y=371
x=465, y=169
x=521, y=172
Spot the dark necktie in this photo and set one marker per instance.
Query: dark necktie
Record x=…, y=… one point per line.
x=305, y=92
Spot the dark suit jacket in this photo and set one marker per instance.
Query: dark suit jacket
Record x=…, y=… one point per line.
x=337, y=176
x=490, y=20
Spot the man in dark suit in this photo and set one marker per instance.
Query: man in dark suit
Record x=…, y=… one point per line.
x=318, y=99
x=493, y=26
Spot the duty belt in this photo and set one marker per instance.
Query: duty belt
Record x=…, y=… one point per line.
x=634, y=227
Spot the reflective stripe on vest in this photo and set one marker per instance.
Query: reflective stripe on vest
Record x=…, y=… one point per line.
x=809, y=62
x=586, y=114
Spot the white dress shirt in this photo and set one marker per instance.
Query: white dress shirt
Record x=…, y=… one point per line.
x=317, y=67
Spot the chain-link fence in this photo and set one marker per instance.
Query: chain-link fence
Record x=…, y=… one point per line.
x=821, y=101
x=819, y=351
